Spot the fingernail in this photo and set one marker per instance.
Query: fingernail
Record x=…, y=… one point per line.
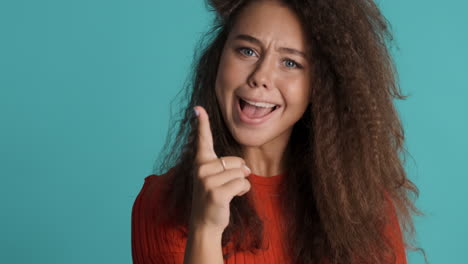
x=196, y=111
x=247, y=168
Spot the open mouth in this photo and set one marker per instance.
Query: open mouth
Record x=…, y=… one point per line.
x=252, y=112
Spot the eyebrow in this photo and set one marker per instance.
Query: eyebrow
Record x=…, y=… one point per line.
x=258, y=42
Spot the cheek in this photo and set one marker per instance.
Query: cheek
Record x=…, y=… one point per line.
x=231, y=71
x=295, y=92
x=227, y=80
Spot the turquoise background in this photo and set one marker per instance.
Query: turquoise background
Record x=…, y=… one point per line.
x=85, y=91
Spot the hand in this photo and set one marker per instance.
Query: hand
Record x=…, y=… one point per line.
x=214, y=187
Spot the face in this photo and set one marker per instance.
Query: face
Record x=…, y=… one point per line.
x=264, y=62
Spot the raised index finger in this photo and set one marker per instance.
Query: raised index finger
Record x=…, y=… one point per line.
x=205, y=151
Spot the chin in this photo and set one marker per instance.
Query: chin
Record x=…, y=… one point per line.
x=250, y=141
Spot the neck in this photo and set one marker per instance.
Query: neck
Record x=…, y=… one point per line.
x=267, y=160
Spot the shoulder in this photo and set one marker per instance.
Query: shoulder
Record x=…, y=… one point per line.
x=159, y=180
x=153, y=191
x=151, y=237
x=393, y=230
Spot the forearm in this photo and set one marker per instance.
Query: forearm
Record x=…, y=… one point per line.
x=203, y=246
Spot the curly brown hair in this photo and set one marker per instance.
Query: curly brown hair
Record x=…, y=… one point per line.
x=346, y=146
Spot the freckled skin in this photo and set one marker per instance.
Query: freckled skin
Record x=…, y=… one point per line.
x=262, y=71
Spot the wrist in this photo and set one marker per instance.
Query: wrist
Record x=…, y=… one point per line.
x=205, y=231
x=203, y=246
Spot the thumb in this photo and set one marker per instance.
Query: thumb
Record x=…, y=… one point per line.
x=205, y=151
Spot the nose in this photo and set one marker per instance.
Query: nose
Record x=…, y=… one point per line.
x=261, y=76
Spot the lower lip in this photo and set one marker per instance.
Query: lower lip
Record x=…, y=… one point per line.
x=252, y=121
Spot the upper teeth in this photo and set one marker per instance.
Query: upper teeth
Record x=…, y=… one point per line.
x=259, y=104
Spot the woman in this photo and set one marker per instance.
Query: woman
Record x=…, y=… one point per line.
x=292, y=155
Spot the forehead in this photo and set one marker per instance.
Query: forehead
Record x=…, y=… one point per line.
x=270, y=21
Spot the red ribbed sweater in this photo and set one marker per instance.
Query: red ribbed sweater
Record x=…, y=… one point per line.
x=158, y=244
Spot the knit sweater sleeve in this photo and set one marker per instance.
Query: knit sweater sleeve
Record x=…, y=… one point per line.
x=151, y=242
x=394, y=234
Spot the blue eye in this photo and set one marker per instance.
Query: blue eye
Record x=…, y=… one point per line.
x=245, y=50
x=292, y=64
x=288, y=62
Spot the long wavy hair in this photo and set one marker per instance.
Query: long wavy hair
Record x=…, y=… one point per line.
x=345, y=156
